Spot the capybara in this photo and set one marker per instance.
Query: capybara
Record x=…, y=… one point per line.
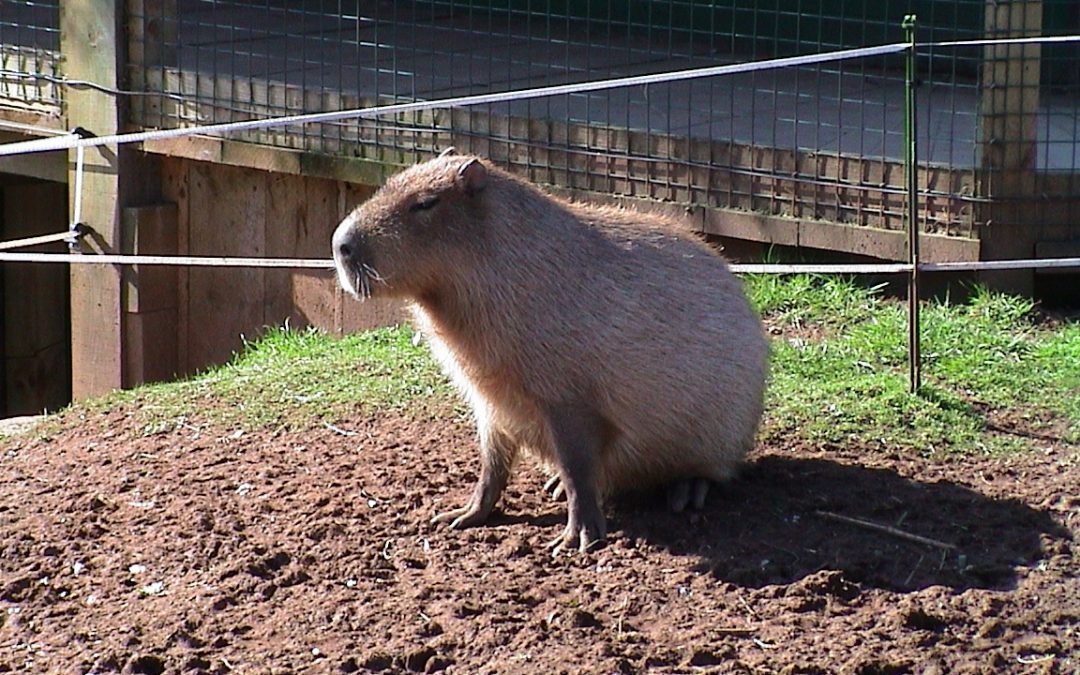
x=614, y=346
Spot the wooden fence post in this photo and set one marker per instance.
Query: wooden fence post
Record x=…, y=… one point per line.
x=1008, y=108
x=92, y=42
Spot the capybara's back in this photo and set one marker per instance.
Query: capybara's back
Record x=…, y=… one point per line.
x=677, y=355
x=616, y=346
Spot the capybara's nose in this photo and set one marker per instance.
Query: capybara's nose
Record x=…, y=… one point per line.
x=344, y=245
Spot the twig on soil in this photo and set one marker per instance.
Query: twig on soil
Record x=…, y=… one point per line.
x=623, y=607
x=746, y=605
x=1028, y=660
x=339, y=430
x=735, y=631
x=886, y=529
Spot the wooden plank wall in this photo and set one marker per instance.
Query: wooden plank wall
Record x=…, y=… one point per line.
x=150, y=295
x=233, y=211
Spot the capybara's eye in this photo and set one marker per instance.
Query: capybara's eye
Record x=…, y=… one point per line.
x=424, y=203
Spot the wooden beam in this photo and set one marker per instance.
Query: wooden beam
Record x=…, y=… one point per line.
x=89, y=41
x=93, y=44
x=784, y=231
x=269, y=158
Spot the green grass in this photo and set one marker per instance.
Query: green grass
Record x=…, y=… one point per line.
x=838, y=375
x=848, y=383
x=293, y=379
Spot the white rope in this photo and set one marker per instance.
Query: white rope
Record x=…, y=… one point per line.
x=76, y=216
x=814, y=268
x=80, y=142
x=63, y=143
x=985, y=265
x=34, y=241
x=49, y=144
x=7, y=125
x=985, y=42
x=175, y=260
x=66, y=142
x=738, y=268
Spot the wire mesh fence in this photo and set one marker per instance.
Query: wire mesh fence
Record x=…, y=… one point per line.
x=1029, y=120
x=30, y=44
x=823, y=142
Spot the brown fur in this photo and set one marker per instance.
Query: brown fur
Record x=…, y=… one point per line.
x=615, y=346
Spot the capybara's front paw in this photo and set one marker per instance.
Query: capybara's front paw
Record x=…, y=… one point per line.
x=554, y=487
x=582, y=532
x=470, y=515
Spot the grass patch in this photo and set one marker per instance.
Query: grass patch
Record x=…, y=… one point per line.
x=996, y=377
x=984, y=360
x=294, y=379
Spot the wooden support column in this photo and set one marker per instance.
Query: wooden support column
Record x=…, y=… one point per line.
x=93, y=47
x=89, y=43
x=1008, y=106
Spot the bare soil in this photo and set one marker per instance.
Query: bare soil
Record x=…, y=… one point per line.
x=206, y=549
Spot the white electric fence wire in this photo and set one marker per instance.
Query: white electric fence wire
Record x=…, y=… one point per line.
x=34, y=241
x=51, y=144
x=76, y=216
x=986, y=42
x=175, y=260
x=984, y=265
x=738, y=268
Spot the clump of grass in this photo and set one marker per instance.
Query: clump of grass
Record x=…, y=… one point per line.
x=828, y=301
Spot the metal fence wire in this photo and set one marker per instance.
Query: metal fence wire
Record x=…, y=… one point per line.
x=816, y=142
x=30, y=44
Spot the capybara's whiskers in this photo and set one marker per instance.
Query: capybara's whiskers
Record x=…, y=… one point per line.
x=373, y=274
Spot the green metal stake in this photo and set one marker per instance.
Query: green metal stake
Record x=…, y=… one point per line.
x=911, y=177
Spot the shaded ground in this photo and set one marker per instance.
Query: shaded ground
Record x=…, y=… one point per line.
x=204, y=549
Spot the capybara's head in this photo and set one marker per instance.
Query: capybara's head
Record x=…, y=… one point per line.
x=406, y=239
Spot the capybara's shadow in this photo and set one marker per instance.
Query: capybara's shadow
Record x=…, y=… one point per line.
x=784, y=519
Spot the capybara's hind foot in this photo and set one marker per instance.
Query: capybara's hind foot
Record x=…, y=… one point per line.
x=494, y=472
x=688, y=491
x=470, y=515
x=583, y=534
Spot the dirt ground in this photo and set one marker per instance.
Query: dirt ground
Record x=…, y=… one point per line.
x=204, y=549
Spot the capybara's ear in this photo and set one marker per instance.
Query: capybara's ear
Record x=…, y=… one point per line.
x=473, y=176
x=447, y=152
